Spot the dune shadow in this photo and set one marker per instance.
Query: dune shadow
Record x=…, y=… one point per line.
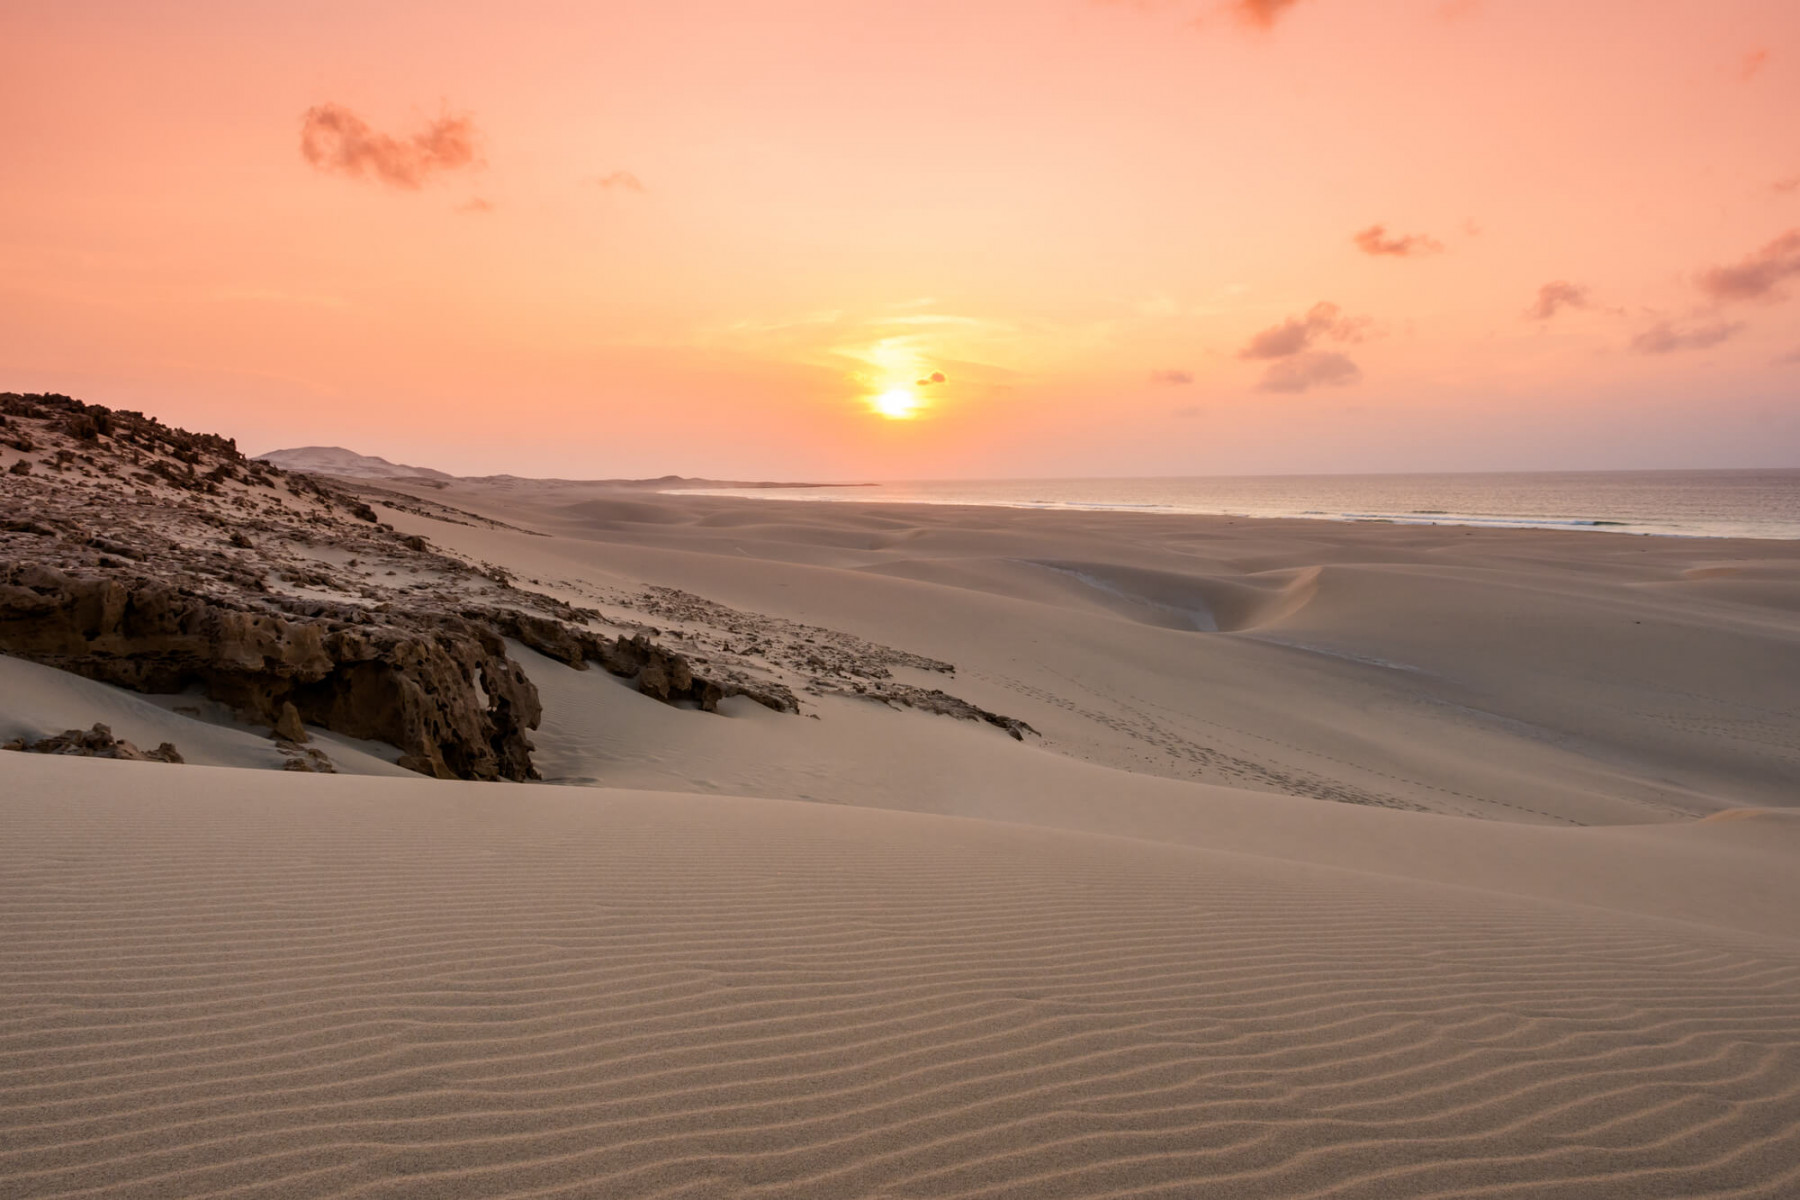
x=1200, y=603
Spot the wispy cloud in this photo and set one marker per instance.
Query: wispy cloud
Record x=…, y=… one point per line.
x=1261, y=13
x=1665, y=338
x=1173, y=378
x=930, y=319
x=1258, y=14
x=335, y=140
x=1752, y=63
x=1557, y=295
x=1757, y=276
x=1783, y=186
x=936, y=377
x=1314, y=368
x=1296, y=334
x=1377, y=241
x=476, y=205
x=621, y=181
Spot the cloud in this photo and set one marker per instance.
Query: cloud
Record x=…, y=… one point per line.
x=1759, y=275
x=1296, y=365
x=1296, y=334
x=1261, y=13
x=1664, y=338
x=623, y=181
x=934, y=377
x=1791, y=183
x=1753, y=62
x=1172, y=378
x=1375, y=240
x=1314, y=368
x=1790, y=359
x=1555, y=296
x=476, y=205
x=1188, y=410
x=335, y=140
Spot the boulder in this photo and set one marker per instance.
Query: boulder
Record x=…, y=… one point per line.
x=288, y=726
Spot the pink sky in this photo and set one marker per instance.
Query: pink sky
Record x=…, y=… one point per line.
x=708, y=236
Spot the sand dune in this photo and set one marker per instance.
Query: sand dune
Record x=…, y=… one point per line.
x=1346, y=861
x=254, y=984
x=1510, y=674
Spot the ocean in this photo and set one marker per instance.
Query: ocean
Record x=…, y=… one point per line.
x=1737, y=503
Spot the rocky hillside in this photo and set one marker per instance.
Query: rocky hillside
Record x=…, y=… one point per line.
x=335, y=460
x=158, y=559
x=161, y=560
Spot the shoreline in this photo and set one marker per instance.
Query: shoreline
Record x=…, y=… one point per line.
x=1582, y=526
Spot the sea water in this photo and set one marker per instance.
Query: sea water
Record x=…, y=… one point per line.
x=1733, y=503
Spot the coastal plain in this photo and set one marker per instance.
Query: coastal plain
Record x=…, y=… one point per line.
x=1322, y=859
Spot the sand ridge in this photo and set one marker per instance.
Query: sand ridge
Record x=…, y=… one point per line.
x=371, y=987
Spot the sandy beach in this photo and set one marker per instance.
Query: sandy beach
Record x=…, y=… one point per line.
x=1336, y=860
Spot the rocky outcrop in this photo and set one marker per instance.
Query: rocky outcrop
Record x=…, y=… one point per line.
x=439, y=688
x=159, y=559
x=660, y=672
x=97, y=742
x=932, y=700
x=669, y=677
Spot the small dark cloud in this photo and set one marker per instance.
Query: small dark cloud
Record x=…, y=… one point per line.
x=929, y=380
x=1759, y=275
x=1377, y=241
x=622, y=181
x=475, y=205
x=1752, y=63
x=1557, y=295
x=336, y=140
x=1783, y=186
x=1456, y=10
x=1262, y=13
x=1188, y=410
x=1790, y=359
x=1172, y=378
x=1665, y=338
x=1296, y=334
x=1314, y=368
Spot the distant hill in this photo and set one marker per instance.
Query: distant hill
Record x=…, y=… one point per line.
x=335, y=460
x=348, y=464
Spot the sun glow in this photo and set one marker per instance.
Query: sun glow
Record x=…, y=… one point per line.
x=897, y=404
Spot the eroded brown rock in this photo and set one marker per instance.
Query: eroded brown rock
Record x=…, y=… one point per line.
x=288, y=726
x=439, y=688
x=661, y=673
x=933, y=700
x=97, y=742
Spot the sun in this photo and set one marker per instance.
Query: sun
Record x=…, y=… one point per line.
x=897, y=404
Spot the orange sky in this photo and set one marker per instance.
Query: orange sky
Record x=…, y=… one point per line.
x=706, y=236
